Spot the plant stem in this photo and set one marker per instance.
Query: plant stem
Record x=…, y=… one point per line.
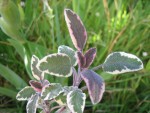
x=55, y=108
x=84, y=88
x=46, y=107
x=97, y=67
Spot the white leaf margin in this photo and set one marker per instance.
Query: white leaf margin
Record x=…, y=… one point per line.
x=71, y=107
x=48, y=95
x=125, y=70
x=22, y=99
x=69, y=48
x=33, y=98
x=34, y=58
x=51, y=55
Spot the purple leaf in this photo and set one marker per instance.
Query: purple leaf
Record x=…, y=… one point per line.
x=89, y=56
x=95, y=85
x=81, y=59
x=76, y=29
x=37, y=86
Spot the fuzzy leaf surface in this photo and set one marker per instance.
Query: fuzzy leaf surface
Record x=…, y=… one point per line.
x=56, y=64
x=95, y=85
x=32, y=104
x=76, y=101
x=35, y=71
x=89, y=56
x=121, y=62
x=52, y=91
x=25, y=93
x=70, y=52
x=76, y=29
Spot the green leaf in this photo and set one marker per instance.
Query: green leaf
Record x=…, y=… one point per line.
x=24, y=53
x=56, y=64
x=8, y=92
x=9, y=11
x=25, y=94
x=11, y=31
x=70, y=52
x=35, y=71
x=76, y=101
x=61, y=99
x=121, y=62
x=12, y=77
x=32, y=104
x=52, y=91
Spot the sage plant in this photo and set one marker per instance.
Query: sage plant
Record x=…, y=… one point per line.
x=69, y=62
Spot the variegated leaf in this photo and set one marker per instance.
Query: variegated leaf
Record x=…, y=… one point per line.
x=25, y=93
x=121, y=62
x=95, y=85
x=61, y=99
x=89, y=56
x=52, y=91
x=67, y=89
x=35, y=71
x=56, y=64
x=70, y=52
x=81, y=59
x=37, y=86
x=32, y=104
x=76, y=29
x=76, y=101
x=63, y=110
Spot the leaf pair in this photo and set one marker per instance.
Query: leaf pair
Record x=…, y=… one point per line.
x=86, y=60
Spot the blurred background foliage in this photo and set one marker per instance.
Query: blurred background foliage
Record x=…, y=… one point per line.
x=38, y=27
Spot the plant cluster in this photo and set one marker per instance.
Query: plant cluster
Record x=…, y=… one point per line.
x=69, y=62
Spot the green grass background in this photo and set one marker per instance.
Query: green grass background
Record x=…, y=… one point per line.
x=112, y=25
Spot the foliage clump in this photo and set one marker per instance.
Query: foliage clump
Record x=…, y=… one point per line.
x=71, y=99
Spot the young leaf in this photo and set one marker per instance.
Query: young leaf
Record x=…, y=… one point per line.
x=81, y=59
x=37, y=86
x=32, y=104
x=76, y=101
x=35, y=71
x=89, y=56
x=70, y=52
x=121, y=62
x=63, y=110
x=95, y=85
x=56, y=64
x=45, y=83
x=52, y=91
x=76, y=29
x=25, y=94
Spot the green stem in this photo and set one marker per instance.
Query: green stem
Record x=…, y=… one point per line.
x=97, y=67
